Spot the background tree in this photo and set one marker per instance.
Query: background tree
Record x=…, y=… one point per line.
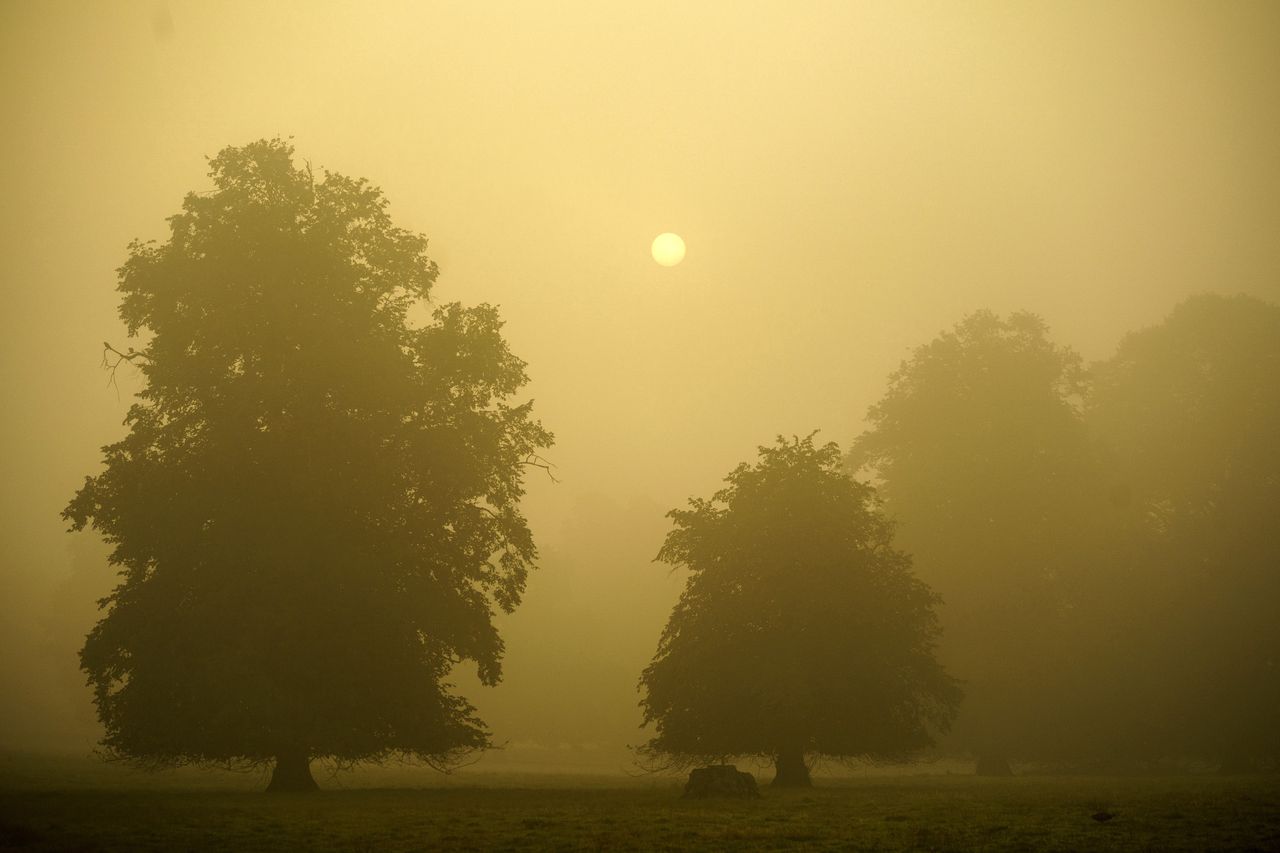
x=315, y=510
x=801, y=630
x=982, y=456
x=1189, y=414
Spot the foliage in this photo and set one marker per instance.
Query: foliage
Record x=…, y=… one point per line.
x=981, y=455
x=1189, y=413
x=1104, y=542
x=801, y=629
x=315, y=510
x=979, y=426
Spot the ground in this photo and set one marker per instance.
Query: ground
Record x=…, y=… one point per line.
x=47, y=806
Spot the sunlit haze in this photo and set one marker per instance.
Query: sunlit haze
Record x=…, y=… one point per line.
x=850, y=179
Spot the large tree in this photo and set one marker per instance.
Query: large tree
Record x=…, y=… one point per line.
x=981, y=455
x=315, y=510
x=1189, y=414
x=801, y=630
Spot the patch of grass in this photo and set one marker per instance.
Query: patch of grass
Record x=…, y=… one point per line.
x=902, y=813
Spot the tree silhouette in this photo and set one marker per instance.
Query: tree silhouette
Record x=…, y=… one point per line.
x=1189, y=413
x=801, y=630
x=982, y=456
x=315, y=509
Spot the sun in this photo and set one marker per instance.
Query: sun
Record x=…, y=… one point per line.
x=668, y=249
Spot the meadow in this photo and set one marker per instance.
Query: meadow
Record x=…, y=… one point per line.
x=71, y=805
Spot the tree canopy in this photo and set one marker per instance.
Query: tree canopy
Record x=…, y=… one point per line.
x=980, y=452
x=1103, y=539
x=315, y=510
x=801, y=630
x=1188, y=414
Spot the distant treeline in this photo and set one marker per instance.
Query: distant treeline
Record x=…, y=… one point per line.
x=1100, y=543
x=1104, y=537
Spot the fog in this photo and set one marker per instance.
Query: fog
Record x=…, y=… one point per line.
x=850, y=180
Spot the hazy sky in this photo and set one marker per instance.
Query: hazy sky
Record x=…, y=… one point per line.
x=850, y=178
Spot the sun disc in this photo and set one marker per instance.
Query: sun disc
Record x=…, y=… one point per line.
x=668, y=249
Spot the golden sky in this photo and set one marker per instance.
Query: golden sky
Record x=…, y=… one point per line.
x=850, y=178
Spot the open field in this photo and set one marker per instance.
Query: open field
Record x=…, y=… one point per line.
x=492, y=811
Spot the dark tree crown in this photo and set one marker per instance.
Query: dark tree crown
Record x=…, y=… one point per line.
x=315, y=510
x=800, y=627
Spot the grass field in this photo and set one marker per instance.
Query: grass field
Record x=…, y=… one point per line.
x=42, y=808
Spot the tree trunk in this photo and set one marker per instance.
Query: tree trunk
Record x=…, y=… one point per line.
x=292, y=773
x=992, y=764
x=792, y=772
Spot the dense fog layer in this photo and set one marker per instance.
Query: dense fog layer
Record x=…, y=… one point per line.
x=851, y=181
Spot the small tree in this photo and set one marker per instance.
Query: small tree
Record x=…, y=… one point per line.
x=315, y=510
x=801, y=631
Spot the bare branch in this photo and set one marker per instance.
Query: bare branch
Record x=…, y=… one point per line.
x=533, y=460
x=112, y=366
